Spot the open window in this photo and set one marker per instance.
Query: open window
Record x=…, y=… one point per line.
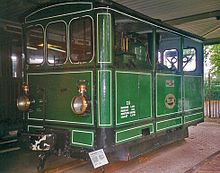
x=81, y=40
x=34, y=45
x=56, y=43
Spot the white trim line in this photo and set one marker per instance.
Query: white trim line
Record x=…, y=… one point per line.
x=130, y=72
x=139, y=135
x=69, y=122
x=35, y=119
x=145, y=125
x=163, y=115
x=193, y=109
x=192, y=76
x=59, y=4
x=34, y=126
x=65, y=72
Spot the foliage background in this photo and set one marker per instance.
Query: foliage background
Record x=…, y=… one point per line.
x=212, y=79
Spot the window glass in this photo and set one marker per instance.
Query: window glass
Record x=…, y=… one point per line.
x=81, y=41
x=34, y=45
x=189, y=59
x=56, y=43
x=170, y=59
x=132, y=42
x=167, y=45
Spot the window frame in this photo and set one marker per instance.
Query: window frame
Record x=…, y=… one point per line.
x=26, y=56
x=46, y=42
x=92, y=43
x=196, y=59
x=178, y=58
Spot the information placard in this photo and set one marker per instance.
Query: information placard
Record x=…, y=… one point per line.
x=98, y=158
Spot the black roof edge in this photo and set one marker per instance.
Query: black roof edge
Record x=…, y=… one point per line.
x=119, y=7
x=212, y=41
x=152, y=20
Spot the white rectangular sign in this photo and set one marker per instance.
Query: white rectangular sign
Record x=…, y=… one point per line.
x=98, y=158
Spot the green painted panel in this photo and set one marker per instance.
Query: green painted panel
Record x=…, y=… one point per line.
x=193, y=117
x=168, y=94
x=104, y=98
x=128, y=134
x=170, y=123
x=133, y=98
x=104, y=38
x=82, y=138
x=53, y=93
x=145, y=96
x=192, y=92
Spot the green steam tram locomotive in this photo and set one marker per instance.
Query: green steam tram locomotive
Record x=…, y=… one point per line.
x=101, y=76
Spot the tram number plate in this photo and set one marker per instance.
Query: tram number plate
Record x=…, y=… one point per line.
x=98, y=158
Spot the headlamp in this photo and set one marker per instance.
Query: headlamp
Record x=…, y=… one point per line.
x=23, y=103
x=79, y=105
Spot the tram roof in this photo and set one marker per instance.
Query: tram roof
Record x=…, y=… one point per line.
x=198, y=17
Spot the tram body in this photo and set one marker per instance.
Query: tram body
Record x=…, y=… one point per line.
x=101, y=76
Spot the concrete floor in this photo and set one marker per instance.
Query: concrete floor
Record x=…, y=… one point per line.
x=203, y=141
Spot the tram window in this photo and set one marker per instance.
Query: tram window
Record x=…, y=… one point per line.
x=167, y=44
x=56, y=43
x=170, y=59
x=132, y=42
x=81, y=45
x=189, y=59
x=34, y=45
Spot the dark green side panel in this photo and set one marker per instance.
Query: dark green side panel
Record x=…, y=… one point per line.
x=193, y=117
x=104, y=38
x=133, y=97
x=104, y=83
x=193, y=92
x=127, y=134
x=168, y=94
x=53, y=93
x=170, y=123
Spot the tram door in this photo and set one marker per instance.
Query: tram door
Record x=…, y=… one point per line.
x=192, y=81
x=168, y=81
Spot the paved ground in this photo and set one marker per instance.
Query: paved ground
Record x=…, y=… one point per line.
x=203, y=141
x=187, y=156
x=209, y=165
